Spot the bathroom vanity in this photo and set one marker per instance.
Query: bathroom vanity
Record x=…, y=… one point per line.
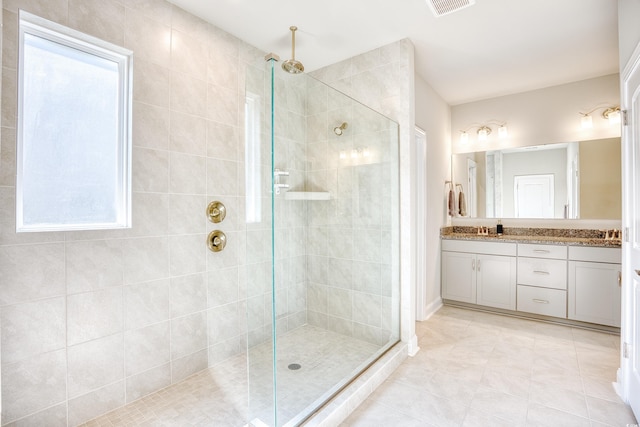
x=554, y=275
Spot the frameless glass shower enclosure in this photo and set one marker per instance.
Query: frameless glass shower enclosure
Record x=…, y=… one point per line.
x=322, y=249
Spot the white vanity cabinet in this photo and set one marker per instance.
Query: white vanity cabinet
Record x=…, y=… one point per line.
x=594, y=285
x=542, y=279
x=580, y=283
x=477, y=272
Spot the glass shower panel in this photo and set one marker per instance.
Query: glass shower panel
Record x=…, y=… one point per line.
x=322, y=242
x=259, y=246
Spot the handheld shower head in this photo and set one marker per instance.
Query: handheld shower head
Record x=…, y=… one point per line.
x=291, y=65
x=338, y=130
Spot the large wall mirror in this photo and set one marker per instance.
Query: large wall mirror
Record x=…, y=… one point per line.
x=577, y=180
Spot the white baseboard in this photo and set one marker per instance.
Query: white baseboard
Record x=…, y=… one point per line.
x=431, y=308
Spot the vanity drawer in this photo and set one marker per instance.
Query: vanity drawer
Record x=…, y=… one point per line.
x=595, y=254
x=548, y=302
x=546, y=273
x=542, y=251
x=479, y=247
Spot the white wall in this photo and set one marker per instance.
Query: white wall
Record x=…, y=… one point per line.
x=628, y=29
x=433, y=115
x=539, y=117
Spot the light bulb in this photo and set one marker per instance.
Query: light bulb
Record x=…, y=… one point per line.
x=614, y=117
x=503, y=132
x=482, y=135
x=464, y=137
x=586, y=121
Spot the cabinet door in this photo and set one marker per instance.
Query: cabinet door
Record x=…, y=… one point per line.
x=594, y=292
x=458, y=276
x=496, y=281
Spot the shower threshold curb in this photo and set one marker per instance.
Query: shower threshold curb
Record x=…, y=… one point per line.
x=347, y=401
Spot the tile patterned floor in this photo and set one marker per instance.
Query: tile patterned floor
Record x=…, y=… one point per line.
x=480, y=369
x=218, y=396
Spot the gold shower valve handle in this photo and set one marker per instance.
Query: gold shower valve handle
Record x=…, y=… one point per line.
x=216, y=212
x=216, y=240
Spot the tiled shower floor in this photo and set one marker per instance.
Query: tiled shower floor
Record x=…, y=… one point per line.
x=218, y=396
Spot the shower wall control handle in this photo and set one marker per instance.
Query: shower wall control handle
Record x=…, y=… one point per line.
x=216, y=212
x=216, y=241
x=278, y=172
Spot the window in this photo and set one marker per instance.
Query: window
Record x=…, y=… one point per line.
x=74, y=151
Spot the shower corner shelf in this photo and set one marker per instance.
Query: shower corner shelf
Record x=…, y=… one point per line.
x=307, y=195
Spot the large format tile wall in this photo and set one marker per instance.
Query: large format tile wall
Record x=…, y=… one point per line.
x=93, y=320
x=289, y=233
x=365, y=226
x=349, y=243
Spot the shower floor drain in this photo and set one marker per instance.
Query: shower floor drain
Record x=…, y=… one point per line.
x=294, y=366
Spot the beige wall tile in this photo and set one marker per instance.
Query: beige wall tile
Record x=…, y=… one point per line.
x=93, y=265
x=99, y=18
x=32, y=328
x=146, y=348
x=31, y=271
x=150, y=125
x=147, y=38
x=151, y=83
x=33, y=384
x=145, y=259
x=188, y=294
x=188, y=365
x=146, y=303
x=147, y=382
x=188, y=254
x=94, y=364
x=188, y=335
x=95, y=314
x=90, y=405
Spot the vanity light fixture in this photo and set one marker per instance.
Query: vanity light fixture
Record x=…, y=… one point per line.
x=464, y=137
x=484, y=131
x=611, y=113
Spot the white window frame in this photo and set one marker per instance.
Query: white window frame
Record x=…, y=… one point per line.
x=51, y=31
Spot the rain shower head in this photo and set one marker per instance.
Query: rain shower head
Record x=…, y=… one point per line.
x=291, y=65
x=338, y=130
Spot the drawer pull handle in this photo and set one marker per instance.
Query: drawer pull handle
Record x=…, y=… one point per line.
x=546, y=273
x=541, y=251
x=473, y=264
x=540, y=301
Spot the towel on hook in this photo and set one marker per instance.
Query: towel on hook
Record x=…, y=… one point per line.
x=452, y=202
x=462, y=204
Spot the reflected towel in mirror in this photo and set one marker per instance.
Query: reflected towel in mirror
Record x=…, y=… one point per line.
x=462, y=204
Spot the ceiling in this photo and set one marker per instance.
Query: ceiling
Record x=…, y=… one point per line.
x=493, y=48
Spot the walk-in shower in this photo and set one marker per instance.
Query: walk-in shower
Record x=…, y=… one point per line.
x=322, y=248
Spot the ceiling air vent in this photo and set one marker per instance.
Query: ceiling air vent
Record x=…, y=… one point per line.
x=444, y=7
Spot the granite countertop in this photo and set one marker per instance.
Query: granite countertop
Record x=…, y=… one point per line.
x=575, y=237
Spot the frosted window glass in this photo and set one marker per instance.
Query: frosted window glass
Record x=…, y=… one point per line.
x=73, y=162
